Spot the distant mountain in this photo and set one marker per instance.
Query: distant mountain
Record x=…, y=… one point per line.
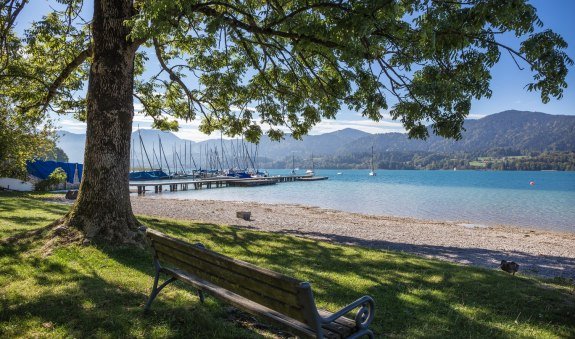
x=523, y=131
x=72, y=144
x=322, y=144
x=526, y=131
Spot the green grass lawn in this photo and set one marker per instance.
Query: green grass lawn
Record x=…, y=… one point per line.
x=99, y=291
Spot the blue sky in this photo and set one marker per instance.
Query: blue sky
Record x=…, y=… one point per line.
x=508, y=83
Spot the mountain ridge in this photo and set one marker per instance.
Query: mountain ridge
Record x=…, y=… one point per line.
x=511, y=129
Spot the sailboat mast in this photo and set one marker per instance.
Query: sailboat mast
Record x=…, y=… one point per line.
x=192, y=157
x=312, y=164
x=165, y=158
x=143, y=147
x=132, y=155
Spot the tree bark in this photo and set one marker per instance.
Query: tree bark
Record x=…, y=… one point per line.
x=103, y=208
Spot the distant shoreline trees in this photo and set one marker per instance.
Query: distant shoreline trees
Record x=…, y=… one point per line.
x=417, y=160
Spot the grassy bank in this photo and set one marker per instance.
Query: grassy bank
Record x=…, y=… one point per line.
x=100, y=291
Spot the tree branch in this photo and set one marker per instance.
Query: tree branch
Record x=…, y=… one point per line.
x=254, y=28
x=175, y=77
x=53, y=87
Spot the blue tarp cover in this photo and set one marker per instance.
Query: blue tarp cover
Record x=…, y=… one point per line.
x=148, y=175
x=42, y=169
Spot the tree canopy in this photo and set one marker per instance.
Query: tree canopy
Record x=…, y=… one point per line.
x=243, y=64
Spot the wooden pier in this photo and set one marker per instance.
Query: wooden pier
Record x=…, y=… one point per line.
x=217, y=182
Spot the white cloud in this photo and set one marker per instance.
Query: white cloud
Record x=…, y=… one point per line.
x=138, y=108
x=195, y=135
x=71, y=125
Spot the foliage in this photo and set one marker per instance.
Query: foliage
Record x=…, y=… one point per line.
x=20, y=141
x=290, y=64
x=57, y=177
x=57, y=154
x=100, y=291
x=546, y=161
x=419, y=160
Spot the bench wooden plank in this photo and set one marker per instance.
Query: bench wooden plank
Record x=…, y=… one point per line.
x=235, y=288
x=247, y=282
x=287, y=283
x=342, y=321
x=296, y=327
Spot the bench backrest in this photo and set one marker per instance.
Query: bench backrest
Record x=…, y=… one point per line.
x=273, y=290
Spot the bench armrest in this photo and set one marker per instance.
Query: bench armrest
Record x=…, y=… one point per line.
x=364, y=316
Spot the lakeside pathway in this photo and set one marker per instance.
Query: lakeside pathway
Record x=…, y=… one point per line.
x=543, y=253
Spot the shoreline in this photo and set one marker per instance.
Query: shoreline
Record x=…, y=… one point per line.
x=538, y=252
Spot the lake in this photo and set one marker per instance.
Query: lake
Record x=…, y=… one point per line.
x=544, y=200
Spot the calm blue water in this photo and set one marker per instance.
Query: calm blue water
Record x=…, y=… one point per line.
x=477, y=197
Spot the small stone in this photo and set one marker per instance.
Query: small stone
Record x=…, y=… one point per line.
x=244, y=215
x=48, y=325
x=86, y=242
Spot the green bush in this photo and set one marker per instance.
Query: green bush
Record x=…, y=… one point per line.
x=54, y=179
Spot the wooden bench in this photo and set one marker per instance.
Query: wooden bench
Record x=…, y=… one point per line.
x=285, y=301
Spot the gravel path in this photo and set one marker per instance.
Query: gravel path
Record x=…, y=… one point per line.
x=542, y=253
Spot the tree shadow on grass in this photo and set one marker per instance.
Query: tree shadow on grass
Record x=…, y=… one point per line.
x=56, y=298
x=414, y=297
x=23, y=202
x=544, y=265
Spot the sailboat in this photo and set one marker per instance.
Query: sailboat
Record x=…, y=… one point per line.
x=310, y=171
x=142, y=173
x=372, y=173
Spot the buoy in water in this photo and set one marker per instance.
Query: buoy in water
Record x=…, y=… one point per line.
x=532, y=183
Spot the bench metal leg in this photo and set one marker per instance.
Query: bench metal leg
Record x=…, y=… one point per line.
x=201, y=296
x=156, y=290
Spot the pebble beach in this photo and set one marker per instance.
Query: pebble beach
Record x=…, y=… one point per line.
x=538, y=252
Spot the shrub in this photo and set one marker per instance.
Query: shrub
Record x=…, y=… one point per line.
x=54, y=179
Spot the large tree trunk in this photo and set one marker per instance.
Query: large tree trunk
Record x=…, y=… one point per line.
x=103, y=208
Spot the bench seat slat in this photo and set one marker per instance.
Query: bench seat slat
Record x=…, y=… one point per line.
x=341, y=321
x=243, y=303
x=284, y=282
x=245, y=282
